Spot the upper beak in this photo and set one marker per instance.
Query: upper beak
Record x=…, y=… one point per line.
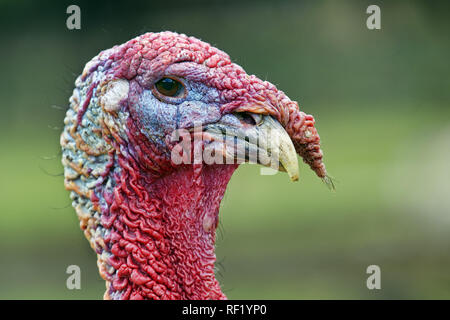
x=262, y=140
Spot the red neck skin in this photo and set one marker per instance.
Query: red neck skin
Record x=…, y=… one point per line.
x=162, y=233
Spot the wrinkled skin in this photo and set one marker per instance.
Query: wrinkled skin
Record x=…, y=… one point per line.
x=152, y=222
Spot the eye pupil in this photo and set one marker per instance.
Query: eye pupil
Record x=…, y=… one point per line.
x=168, y=87
x=167, y=84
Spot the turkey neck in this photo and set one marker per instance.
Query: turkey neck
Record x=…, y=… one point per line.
x=160, y=236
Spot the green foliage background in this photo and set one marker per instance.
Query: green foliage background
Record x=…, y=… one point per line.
x=381, y=103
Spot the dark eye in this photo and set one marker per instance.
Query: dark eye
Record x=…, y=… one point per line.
x=169, y=87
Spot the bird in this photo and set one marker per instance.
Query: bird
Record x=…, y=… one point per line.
x=147, y=205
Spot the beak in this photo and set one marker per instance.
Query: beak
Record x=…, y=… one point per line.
x=249, y=137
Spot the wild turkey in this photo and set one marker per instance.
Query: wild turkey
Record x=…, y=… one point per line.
x=151, y=219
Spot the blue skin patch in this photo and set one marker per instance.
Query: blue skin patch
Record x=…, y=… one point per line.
x=159, y=119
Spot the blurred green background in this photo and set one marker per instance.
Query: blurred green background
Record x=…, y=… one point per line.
x=381, y=102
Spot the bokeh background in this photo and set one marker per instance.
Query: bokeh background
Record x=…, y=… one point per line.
x=381, y=102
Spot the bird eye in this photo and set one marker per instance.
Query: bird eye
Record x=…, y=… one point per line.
x=170, y=87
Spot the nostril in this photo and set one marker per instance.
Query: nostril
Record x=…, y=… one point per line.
x=248, y=119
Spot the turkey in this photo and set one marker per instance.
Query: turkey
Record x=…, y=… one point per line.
x=147, y=204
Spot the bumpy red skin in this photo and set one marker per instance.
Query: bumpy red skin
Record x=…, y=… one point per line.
x=144, y=59
x=157, y=212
